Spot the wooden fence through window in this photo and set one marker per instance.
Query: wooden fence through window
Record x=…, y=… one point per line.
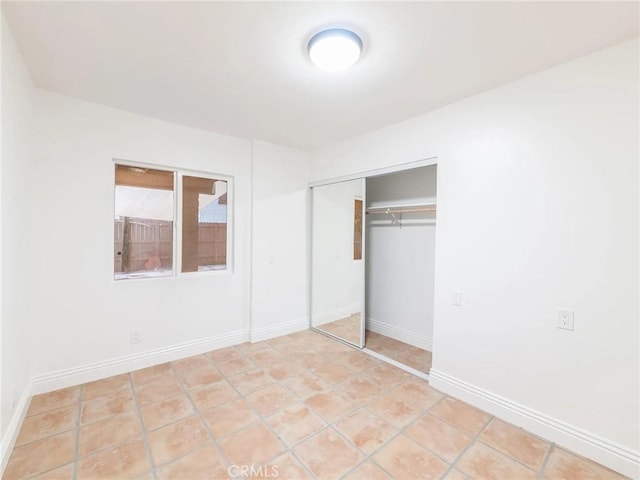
x=150, y=238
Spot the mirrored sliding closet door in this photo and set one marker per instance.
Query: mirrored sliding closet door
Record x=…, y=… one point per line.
x=337, y=265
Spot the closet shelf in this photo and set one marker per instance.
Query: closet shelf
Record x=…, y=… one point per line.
x=413, y=208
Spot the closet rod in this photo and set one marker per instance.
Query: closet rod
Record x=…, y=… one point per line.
x=402, y=209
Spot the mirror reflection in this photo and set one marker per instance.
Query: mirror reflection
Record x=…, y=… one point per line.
x=337, y=292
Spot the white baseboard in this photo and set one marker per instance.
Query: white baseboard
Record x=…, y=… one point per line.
x=608, y=453
x=96, y=371
x=11, y=434
x=397, y=333
x=265, y=333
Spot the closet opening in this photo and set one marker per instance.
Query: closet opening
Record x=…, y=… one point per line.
x=373, y=241
x=400, y=266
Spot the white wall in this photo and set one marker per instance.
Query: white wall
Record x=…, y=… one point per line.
x=81, y=316
x=401, y=258
x=337, y=279
x=537, y=211
x=279, y=274
x=64, y=320
x=16, y=175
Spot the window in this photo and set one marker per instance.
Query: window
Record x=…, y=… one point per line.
x=204, y=224
x=167, y=221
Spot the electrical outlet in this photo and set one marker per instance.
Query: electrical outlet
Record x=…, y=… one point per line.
x=456, y=299
x=136, y=336
x=565, y=319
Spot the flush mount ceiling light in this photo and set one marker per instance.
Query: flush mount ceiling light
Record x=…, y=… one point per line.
x=334, y=49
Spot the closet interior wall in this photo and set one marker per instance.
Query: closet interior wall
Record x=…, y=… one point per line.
x=400, y=258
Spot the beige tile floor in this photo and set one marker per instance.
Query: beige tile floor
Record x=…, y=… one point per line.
x=295, y=407
x=348, y=328
x=404, y=353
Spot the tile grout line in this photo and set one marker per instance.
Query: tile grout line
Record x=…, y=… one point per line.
x=473, y=441
x=478, y=440
x=402, y=431
x=510, y=457
x=336, y=388
x=400, y=355
x=349, y=442
x=424, y=414
x=302, y=400
x=549, y=443
x=329, y=388
x=55, y=467
x=59, y=432
x=369, y=456
x=262, y=419
x=327, y=424
x=357, y=466
x=242, y=395
x=203, y=421
x=172, y=422
x=289, y=449
x=427, y=412
x=545, y=461
x=76, y=459
x=186, y=392
x=145, y=439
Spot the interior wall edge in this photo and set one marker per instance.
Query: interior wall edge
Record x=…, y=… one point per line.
x=13, y=428
x=250, y=279
x=128, y=363
x=595, y=447
x=16, y=166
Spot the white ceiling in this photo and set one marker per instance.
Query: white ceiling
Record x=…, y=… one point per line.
x=241, y=68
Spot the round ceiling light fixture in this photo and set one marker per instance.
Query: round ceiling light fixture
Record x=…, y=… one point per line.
x=334, y=49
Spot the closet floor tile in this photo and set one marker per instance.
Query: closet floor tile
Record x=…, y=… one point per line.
x=414, y=357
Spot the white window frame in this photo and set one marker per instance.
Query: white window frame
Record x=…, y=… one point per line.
x=178, y=173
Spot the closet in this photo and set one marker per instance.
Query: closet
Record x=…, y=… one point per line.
x=373, y=263
x=400, y=265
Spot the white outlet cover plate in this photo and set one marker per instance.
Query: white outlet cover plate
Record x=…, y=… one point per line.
x=565, y=319
x=456, y=299
x=136, y=336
